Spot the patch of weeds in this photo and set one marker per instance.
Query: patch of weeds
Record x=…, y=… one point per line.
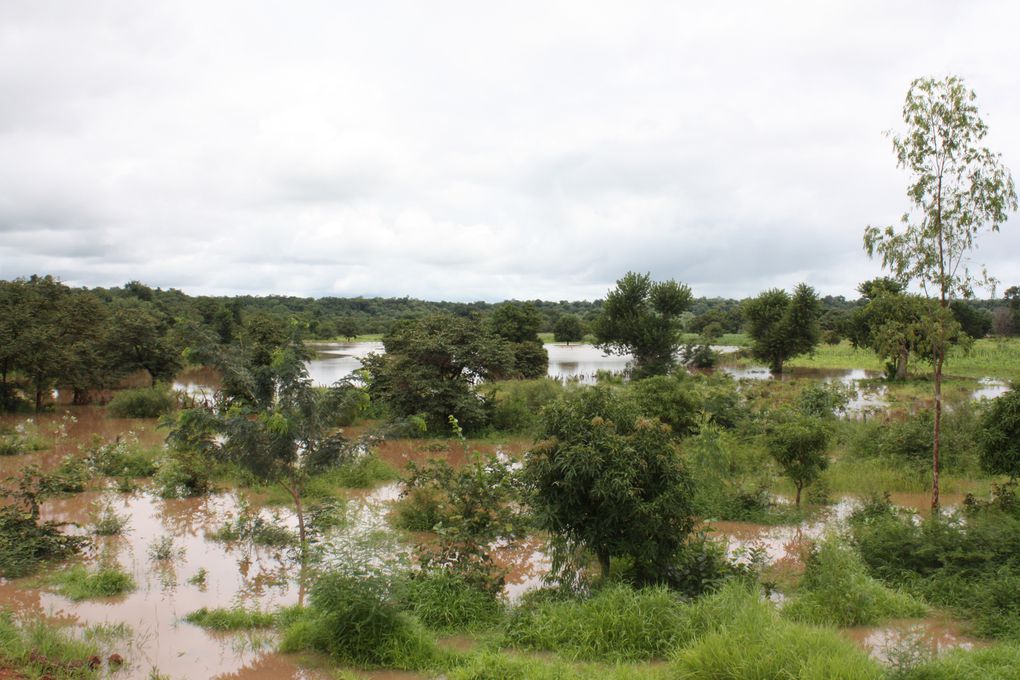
x=231, y=619
x=199, y=577
x=106, y=522
x=34, y=648
x=164, y=550
x=71, y=475
x=182, y=474
x=249, y=525
x=122, y=458
x=999, y=662
x=78, y=583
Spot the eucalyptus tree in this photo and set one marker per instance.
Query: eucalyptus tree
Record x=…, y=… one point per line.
x=642, y=318
x=957, y=189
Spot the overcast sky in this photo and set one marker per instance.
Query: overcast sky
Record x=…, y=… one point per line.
x=475, y=150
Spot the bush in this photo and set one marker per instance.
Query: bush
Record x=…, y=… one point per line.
x=1000, y=435
x=144, y=402
x=672, y=399
x=78, y=583
x=12, y=445
x=249, y=525
x=357, y=621
x=516, y=404
x=445, y=601
x=182, y=473
x=910, y=440
x=618, y=623
x=108, y=523
x=837, y=590
x=120, y=459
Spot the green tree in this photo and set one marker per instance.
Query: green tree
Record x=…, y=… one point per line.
x=642, y=318
x=604, y=479
x=958, y=188
x=568, y=329
x=1000, y=435
x=138, y=337
x=892, y=324
x=798, y=445
x=431, y=365
x=782, y=326
x=347, y=328
x=518, y=324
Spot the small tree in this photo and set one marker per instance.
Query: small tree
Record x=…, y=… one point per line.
x=782, y=326
x=1000, y=435
x=642, y=318
x=568, y=329
x=958, y=188
x=518, y=324
x=611, y=482
x=798, y=445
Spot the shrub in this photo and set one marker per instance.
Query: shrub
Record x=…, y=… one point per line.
x=1000, y=435
x=144, y=402
x=163, y=549
x=249, y=525
x=12, y=445
x=357, y=621
x=25, y=542
x=120, y=459
x=672, y=399
x=516, y=404
x=108, y=523
x=182, y=473
x=78, y=583
x=837, y=590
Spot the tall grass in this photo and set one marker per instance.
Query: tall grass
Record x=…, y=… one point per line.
x=1000, y=662
x=34, y=648
x=78, y=583
x=231, y=619
x=444, y=601
x=837, y=590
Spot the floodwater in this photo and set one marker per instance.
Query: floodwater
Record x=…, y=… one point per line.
x=990, y=388
x=927, y=637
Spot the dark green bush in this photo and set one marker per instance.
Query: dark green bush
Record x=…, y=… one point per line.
x=143, y=402
x=445, y=601
x=1000, y=435
x=120, y=459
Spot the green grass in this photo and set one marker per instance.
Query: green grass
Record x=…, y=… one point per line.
x=231, y=619
x=78, y=583
x=445, y=602
x=837, y=590
x=995, y=357
x=618, y=623
x=495, y=666
x=35, y=648
x=999, y=662
x=143, y=402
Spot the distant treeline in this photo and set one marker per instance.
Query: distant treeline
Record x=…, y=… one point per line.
x=87, y=339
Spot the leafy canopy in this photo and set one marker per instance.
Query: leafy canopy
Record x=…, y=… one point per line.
x=782, y=326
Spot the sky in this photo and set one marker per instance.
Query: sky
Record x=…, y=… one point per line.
x=475, y=150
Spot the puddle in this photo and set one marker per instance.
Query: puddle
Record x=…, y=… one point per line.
x=927, y=637
x=991, y=388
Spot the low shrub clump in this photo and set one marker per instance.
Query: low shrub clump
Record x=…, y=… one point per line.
x=78, y=583
x=33, y=648
x=837, y=590
x=444, y=601
x=25, y=541
x=618, y=623
x=144, y=402
x=231, y=619
x=107, y=522
x=250, y=525
x=120, y=458
x=182, y=473
x=745, y=638
x=357, y=621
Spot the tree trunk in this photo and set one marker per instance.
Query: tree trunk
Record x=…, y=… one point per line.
x=300, y=516
x=901, y=364
x=603, y=556
x=777, y=365
x=938, y=430
x=799, y=488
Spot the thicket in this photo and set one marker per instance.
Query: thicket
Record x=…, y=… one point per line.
x=143, y=402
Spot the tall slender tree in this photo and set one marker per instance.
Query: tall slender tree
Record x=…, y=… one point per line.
x=958, y=189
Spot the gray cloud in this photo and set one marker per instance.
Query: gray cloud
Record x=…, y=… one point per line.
x=463, y=151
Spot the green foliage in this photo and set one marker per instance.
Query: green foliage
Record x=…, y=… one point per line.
x=642, y=318
x=12, y=445
x=518, y=323
x=609, y=481
x=470, y=508
x=249, y=525
x=231, y=619
x=25, y=541
x=909, y=441
x=495, y=666
x=145, y=402
x=1000, y=435
x=181, y=473
x=837, y=590
x=798, y=445
x=163, y=549
x=568, y=329
x=430, y=366
x=745, y=638
x=673, y=399
x=999, y=662
x=445, y=601
x=120, y=458
x=36, y=648
x=517, y=404
x=107, y=522
x=782, y=326
x=617, y=623
x=825, y=399
x=78, y=583
x=357, y=621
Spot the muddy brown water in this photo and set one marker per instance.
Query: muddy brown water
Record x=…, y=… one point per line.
x=931, y=636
